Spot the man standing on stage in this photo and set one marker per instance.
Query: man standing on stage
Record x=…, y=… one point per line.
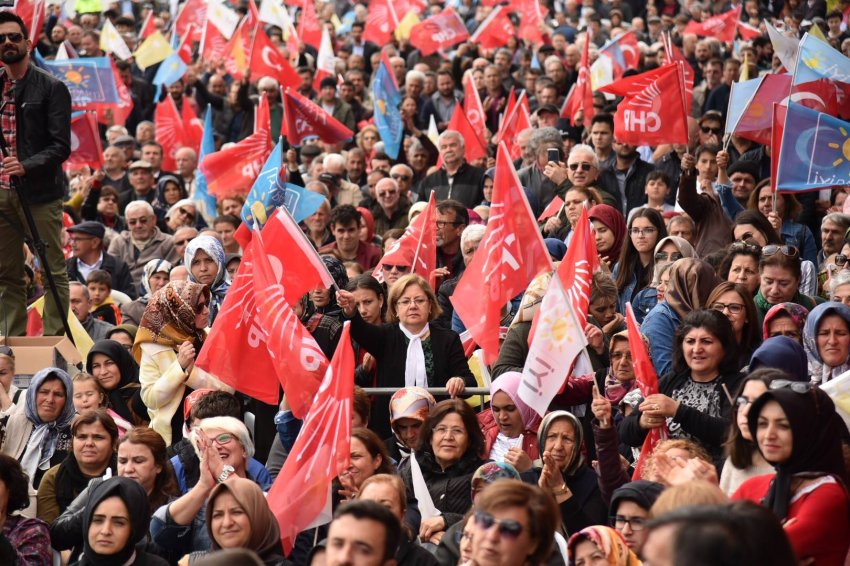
x=35, y=118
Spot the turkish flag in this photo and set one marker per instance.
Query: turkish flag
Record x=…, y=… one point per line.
x=438, y=32
x=193, y=14
x=215, y=43
x=756, y=121
x=474, y=149
x=510, y=255
x=303, y=117
x=647, y=381
x=417, y=247
x=193, y=127
x=822, y=95
x=496, y=29
x=234, y=169
x=778, y=122
x=581, y=95
x=321, y=451
x=723, y=27
x=170, y=132
x=85, y=142
x=653, y=111
x=473, y=108
x=381, y=22
x=309, y=28
x=266, y=60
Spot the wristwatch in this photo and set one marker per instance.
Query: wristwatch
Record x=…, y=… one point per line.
x=226, y=470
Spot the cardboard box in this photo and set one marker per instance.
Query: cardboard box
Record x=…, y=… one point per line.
x=34, y=353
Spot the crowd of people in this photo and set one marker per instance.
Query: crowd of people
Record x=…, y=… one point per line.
x=742, y=295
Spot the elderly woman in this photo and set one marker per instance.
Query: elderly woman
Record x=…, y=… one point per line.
x=171, y=334
x=25, y=541
x=510, y=426
x=741, y=265
x=785, y=319
x=204, y=256
x=409, y=351
x=826, y=338
x=182, y=213
x=600, y=545
x=39, y=437
x=781, y=274
x=409, y=408
x=118, y=375
x=155, y=276
x=9, y=394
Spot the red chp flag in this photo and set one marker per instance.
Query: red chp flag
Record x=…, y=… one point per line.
x=510, y=255
x=193, y=127
x=723, y=27
x=473, y=108
x=262, y=115
x=309, y=28
x=581, y=95
x=653, y=111
x=647, y=381
x=459, y=122
x=238, y=347
x=417, y=247
x=85, y=142
x=321, y=452
x=266, y=60
x=192, y=17
x=233, y=170
x=438, y=32
x=517, y=119
x=170, y=132
x=495, y=31
x=673, y=54
x=302, y=117
x=381, y=22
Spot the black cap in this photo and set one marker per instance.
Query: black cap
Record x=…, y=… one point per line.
x=642, y=492
x=745, y=166
x=95, y=229
x=328, y=178
x=548, y=108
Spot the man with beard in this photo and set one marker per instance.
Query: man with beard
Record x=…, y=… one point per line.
x=32, y=156
x=626, y=180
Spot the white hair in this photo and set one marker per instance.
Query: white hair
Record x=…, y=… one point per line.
x=586, y=149
x=267, y=82
x=232, y=425
x=414, y=75
x=843, y=278
x=333, y=161
x=451, y=134
x=139, y=205
x=471, y=233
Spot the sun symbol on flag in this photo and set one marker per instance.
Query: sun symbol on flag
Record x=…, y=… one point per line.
x=560, y=329
x=843, y=148
x=75, y=75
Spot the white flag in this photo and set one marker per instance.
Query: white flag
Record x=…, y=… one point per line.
x=223, y=18
x=785, y=47
x=420, y=490
x=112, y=42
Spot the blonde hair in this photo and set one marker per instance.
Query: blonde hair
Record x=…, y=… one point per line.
x=693, y=449
x=694, y=492
x=83, y=377
x=400, y=286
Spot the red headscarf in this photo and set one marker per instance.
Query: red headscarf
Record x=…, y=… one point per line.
x=613, y=219
x=369, y=221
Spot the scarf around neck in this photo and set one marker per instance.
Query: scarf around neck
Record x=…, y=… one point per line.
x=414, y=365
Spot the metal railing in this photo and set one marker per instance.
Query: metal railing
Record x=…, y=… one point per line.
x=481, y=392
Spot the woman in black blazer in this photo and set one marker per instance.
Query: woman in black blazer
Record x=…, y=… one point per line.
x=408, y=350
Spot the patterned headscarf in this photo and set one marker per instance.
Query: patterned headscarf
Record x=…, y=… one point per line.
x=490, y=472
x=150, y=269
x=797, y=313
x=221, y=284
x=169, y=318
x=508, y=383
x=42, y=442
x=411, y=403
x=609, y=541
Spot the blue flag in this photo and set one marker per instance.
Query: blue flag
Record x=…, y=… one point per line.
x=387, y=114
x=89, y=79
x=818, y=60
x=202, y=195
x=170, y=71
x=271, y=190
x=815, y=151
x=739, y=98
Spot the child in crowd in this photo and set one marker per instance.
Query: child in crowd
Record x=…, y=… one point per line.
x=657, y=189
x=99, y=283
x=89, y=395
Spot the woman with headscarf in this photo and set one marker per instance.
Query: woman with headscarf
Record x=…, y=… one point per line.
x=169, y=191
x=155, y=275
x=798, y=431
x=599, y=544
x=785, y=319
x=691, y=282
x=118, y=375
x=826, y=338
x=409, y=408
x=170, y=337
x=781, y=352
x=115, y=521
x=39, y=437
x=204, y=257
x=667, y=251
x=610, y=233
x=565, y=474
x=510, y=425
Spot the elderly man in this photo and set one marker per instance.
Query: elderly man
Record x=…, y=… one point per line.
x=541, y=187
x=582, y=170
x=87, y=247
x=187, y=161
x=403, y=175
x=342, y=191
x=182, y=237
x=391, y=206
x=833, y=228
x=143, y=241
x=456, y=179
x=115, y=170
x=142, y=184
x=81, y=307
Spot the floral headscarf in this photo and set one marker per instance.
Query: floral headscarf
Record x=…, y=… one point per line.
x=797, y=313
x=609, y=541
x=221, y=284
x=491, y=472
x=169, y=318
x=150, y=269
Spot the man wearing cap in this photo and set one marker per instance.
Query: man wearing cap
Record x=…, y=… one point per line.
x=547, y=116
x=334, y=106
x=87, y=247
x=142, y=182
x=127, y=144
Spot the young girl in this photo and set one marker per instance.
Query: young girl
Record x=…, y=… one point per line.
x=89, y=395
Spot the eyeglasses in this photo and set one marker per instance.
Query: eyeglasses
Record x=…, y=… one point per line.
x=840, y=260
x=508, y=528
x=222, y=439
x=734, y=308
x=620, y=521
x=584, y=166
x=108, y=199
x=400, y=177
x=444, y=223
x=741, y=246
x=742, y=401
x=671, y=256
x=446, y=431
x=418, y=301
x=399, y=268
x=795, y=386
x=182, y=242
x=12, y=37
x=7, y=351
x=134, y=221
x=715, y=131
x=773, y=249
x=185, y=212
x=648, y=231
x=387, y=194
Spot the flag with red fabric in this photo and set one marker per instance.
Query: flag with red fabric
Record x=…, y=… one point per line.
x=85, y=142
x=517, y=119
x=381, y=21
x=193, y=127
x=237, y=53
x=262, y=115
x=473, y=148
x=438, y=32
x=119, y=111
x=266, y=60
x=184, y=49
x=532, y=16
x=580, y=97
x=417, y=247
x=321, y=452
x=214, y=42
x=551, y=209
x=303, y=117
x=778, y=118
x=234, y=169
x=32, y=13
x=148, y=26
x=170, y=132
x=653, y=110
x=325, y=61
x=623, y=52
x=473, y=108
x=722, y=27
x=510, y=255
x=496, y=29
x=672, y=54
x=647, y=381
x=309, y=28
x=756, y=121
x=192, y=17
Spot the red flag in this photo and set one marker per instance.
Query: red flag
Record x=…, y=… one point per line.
x=438, y=32
x=510, y=255
x=581, y=95
x=747, y=31
x=32, y=13
x=267, y=60
x=309, y=28
x=321, y=451
x=507, y=115
x=214, y=43
x=474, y=149
x=473, y=108
x=647, y=381
x=262, y=115
x=417, y=247
x=192, y=14
x=85, y=143
x=516, y=121
x=237, y=350
x=170, y=132
x=496, y=29
x=248, y=155
x=185, y=48
x=551, y=209
x=237, y=53
x=778, y=118
x=302, y=117
x=756, y=122
x=325, y=60
x=381, y=21
x=120, y=111
x=673, y=54
x=193, y=127
x=822, y=95
x=148, y=27
x=531, y=20
x=653, y=110
x=722, y=27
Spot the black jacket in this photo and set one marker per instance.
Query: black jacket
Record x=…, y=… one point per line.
x=465, y=188
x=635, y=185
x=43, y=128
x=121, y=279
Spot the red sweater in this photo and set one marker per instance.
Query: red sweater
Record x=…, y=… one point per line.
x=818, y=523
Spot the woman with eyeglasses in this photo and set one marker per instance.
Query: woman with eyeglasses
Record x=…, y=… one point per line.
x=155, y=276
x=667, y=251
x=118, y=375
x=634, y=269
x=743, y=460
x=799, y=433
x=826, y=338
x=741, y=265
x=733, y=301
x=693, y=400
x=184, y=213
x=171, y=334
x=630, y=505
x=600, y=545
x=409, y=351
x=9, y=394
x=205, y=258
x=781, y=273
x=783, y=219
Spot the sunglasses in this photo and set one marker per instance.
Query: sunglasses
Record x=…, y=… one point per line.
x=672, y=256
x=715, y=131
x=795, y=386
x=181, y=242
x=387, y=194
x=12, y=37
x=188, y=213
x=741, y=246
x=201, y=307
x=584, y=166
x=399, y=268
x=400, y=177
x=773, y=249
x=841, y=260
x=508, y=528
